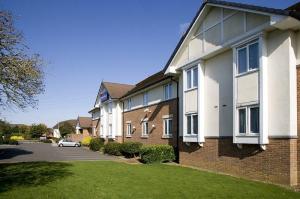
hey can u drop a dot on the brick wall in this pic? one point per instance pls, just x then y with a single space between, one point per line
154 117
220 154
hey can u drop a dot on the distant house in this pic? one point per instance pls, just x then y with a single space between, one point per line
56 132
84 125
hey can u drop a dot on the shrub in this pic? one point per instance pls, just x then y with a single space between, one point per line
112 148
131 149
13 142
96 144
47 141
16 137
86 141
157 153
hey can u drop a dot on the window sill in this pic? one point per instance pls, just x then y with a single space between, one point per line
128 136
145 136
167 136
190 89
247 73
248 135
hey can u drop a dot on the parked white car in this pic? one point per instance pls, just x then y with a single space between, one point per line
63 142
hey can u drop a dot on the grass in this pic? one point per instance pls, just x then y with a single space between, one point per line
103 179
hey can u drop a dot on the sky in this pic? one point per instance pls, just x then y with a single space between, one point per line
83 42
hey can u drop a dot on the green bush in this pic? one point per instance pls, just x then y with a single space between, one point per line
131 149
47 141
96 144
13 142
157 153
113 148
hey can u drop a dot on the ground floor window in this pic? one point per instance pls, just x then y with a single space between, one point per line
168 127
192 124
110 130
145 131
129 129
248 119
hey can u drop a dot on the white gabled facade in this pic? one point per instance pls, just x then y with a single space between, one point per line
237 74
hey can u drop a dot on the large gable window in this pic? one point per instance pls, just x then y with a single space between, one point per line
248 58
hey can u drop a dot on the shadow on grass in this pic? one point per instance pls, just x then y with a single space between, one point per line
31 174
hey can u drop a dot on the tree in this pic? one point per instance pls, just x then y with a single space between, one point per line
21 77
66 128
37 131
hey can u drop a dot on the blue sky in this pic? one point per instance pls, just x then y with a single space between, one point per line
86 41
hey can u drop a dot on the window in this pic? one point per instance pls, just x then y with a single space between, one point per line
248 57
168 127
192 124
254 120
248 120
242 120
192 78
145 129
145 99
129 104
110 130
129 129
168 91
101 130
110 107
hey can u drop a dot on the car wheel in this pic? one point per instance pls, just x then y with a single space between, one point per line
76 145
60 145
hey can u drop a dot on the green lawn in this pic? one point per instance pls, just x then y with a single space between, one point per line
103 179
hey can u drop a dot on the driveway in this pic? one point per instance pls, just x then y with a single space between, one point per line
35 151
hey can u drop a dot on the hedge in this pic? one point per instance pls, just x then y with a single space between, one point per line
157 153
113 148
96 144
131 149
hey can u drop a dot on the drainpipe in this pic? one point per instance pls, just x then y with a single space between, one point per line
177 119
123 138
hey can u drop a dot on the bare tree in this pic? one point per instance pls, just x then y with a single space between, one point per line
21 76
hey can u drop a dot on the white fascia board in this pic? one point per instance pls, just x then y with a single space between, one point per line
284 22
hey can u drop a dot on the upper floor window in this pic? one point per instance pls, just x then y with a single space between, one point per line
192 78
168 91
129 104
248 57
145 99
110 107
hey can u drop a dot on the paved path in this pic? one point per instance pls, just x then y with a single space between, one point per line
27 152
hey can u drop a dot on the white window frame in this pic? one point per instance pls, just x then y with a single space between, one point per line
248 70
192 124
167 132
192 70
145 99
145 131
129 104
168 91
129 129
110 105
248 120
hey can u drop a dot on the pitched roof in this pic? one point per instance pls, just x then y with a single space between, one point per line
149 81
292 11
84 122
72 122
117 90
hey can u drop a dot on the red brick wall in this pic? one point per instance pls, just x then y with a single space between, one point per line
220 154
155 117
